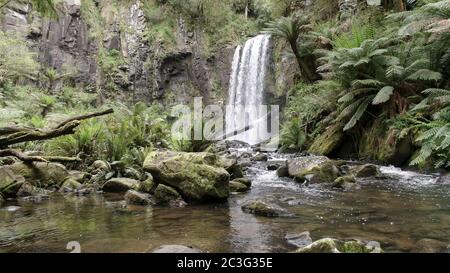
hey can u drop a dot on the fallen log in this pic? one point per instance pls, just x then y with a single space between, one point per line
15 134
28 159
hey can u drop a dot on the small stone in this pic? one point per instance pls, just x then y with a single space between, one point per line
342 181
101 165
165 194
70 185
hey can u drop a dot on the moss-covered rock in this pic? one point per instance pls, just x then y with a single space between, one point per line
366 170
196 176
262 208
9 182
298 165
165 194
328 141
148 185
238 187
100 165
230 164
247 182
120 185
326 172
41 174
329 245
380 143
27 189
344 182
137 198
70 185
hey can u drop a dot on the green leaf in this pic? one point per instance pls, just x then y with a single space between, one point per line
425 75
358 114
383 95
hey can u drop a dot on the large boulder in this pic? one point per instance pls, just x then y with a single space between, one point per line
329 245
298 165
262 208
366 170
326 172
196 176
41 174
120 185
9 182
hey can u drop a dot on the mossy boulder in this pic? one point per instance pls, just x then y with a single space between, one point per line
247 182
329 245
120 185
430 246
238 187
327 142
298 165
366 170
344 182
9 182
70 185
27 189
41 174
148 185
165 194
133 197
326 172
261 208
198 177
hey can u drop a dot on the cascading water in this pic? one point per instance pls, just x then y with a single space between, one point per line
246 93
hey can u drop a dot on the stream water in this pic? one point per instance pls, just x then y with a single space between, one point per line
397 211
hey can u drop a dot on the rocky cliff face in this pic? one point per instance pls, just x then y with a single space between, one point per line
147 70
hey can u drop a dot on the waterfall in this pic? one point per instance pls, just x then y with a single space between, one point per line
246 92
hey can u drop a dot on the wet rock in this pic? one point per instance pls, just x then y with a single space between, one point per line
2 201
366 170
148 185
273 167
326 172
175 249
238 187
329 245
230 164
344 182
41 174
247 182
79 176
9 182
133 197
261 208
27 190
260 157
196 176
101 165
298 165
430 246
283 171
120 185
299 239
165 195
70 185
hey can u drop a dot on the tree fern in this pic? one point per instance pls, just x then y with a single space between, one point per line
383 95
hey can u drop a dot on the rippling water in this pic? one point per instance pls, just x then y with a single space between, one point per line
397 211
